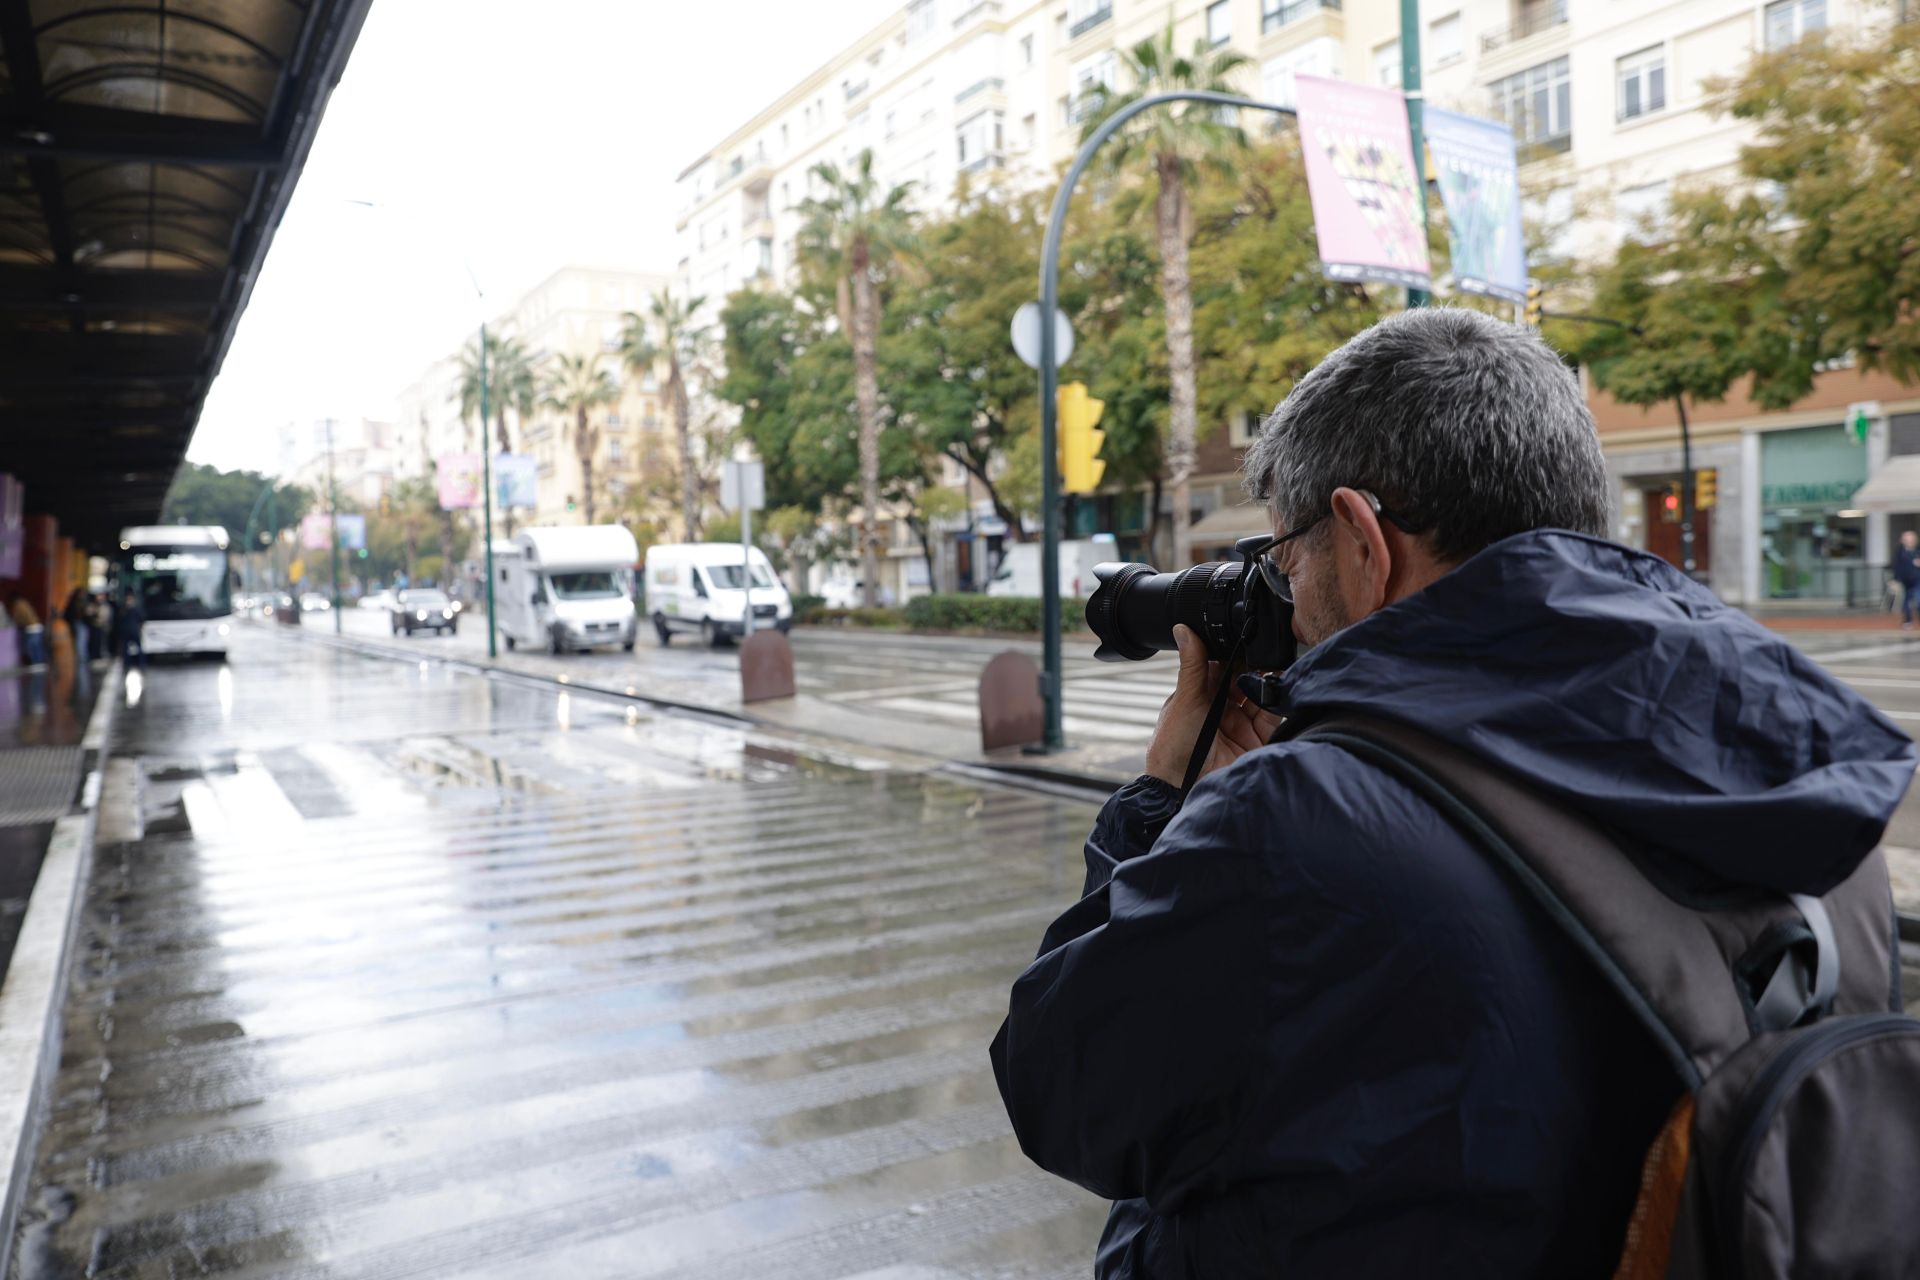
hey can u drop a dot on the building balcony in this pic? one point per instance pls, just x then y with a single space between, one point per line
991 160
1544 148
1533 19
1275 16
1103 14
977 11
993 84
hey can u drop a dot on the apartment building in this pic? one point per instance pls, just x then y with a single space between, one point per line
578 311
1608 102
359 456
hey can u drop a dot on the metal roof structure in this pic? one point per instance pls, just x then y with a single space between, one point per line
147 153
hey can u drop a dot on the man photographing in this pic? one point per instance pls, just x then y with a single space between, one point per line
1300 1024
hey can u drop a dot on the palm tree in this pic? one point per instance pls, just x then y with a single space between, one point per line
855 232
681 344
510 384
1170 142
577 386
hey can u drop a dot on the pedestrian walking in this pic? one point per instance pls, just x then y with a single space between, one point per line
100 625
33 637
1308 1020
1906 572
78 613
130 623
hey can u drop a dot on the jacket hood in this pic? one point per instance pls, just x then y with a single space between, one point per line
1613 683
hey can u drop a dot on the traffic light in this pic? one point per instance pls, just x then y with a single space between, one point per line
363 553
1670 504
1080 439
570 502
1534 310
1706 488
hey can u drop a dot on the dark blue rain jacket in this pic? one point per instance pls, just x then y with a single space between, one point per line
1301 1027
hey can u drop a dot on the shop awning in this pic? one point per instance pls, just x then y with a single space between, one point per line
1230 524
1894 485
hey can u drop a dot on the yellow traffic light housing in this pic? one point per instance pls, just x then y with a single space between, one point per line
1080 439
1706 488
1535 311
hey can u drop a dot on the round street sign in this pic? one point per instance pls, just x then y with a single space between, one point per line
1026 335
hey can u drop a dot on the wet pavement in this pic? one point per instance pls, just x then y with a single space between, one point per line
392 969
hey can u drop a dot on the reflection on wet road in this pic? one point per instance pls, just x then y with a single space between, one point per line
391 970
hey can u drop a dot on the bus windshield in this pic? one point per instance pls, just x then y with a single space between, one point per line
179 583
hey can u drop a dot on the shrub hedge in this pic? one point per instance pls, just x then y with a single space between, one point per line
971 612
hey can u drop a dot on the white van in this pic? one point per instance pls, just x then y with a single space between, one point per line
701 587
568 588
1019 571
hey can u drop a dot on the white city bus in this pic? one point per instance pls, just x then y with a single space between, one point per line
180 574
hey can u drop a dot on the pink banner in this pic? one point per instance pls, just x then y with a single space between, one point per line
459 475
1367 201
316 531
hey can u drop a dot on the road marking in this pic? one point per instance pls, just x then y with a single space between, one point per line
1866 651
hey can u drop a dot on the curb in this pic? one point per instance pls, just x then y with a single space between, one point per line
34 994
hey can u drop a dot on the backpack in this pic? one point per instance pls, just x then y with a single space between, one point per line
1795 1148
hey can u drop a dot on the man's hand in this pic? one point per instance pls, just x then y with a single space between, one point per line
1243 726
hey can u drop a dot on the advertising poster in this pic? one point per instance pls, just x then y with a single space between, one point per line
316 528
1367 197
1479 178
459 481
515 480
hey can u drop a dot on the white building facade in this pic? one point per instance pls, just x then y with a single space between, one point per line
1609 100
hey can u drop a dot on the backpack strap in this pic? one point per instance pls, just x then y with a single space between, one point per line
1781 959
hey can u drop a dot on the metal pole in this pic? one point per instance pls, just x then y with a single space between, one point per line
486 495
1410 88
1050 682
746 557
1687 561
333 521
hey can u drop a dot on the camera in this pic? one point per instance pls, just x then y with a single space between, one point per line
1243 602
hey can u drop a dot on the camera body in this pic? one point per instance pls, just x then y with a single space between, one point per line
1134 610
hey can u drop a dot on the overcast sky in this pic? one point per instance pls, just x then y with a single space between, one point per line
520 137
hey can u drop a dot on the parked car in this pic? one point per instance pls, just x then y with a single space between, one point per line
1018 573
567 589
314 602
422 610
280 607
705 587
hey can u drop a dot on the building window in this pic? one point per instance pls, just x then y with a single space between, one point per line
1641 81
920 19
1320 57
783 137
616 453
1788 20
1026 50
1538 103
1275 14
1443 40
1243 428
1386 64
766 256
1219 23
890 116
980 141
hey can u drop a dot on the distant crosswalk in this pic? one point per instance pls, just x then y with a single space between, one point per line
1113 703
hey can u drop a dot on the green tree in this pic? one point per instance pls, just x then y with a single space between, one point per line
853 234
509 385
576 387
202 494
1171 144
673 337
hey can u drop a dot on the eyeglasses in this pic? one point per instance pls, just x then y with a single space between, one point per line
1262 549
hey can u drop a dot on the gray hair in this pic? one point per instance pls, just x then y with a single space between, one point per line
1469 429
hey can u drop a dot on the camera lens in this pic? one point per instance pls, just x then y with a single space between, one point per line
1134 610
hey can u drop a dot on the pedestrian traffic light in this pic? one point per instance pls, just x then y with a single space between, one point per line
1670 504
363 553
1080 439
1706 488
1534 310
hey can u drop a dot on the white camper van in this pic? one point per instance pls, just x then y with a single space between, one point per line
1019 571
701 587
566 588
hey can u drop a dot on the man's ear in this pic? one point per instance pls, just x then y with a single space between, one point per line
1366 561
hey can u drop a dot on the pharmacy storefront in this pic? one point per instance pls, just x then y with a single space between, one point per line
1812 541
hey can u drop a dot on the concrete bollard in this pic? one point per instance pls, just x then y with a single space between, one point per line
766 667
1011 711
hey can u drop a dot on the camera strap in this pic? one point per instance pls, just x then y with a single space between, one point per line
1203 746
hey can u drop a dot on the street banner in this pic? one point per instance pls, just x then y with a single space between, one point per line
1367 199
459 476
515 480
316 531
1480 185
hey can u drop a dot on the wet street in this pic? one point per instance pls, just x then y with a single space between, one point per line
391 969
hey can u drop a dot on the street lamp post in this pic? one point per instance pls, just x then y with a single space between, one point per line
1416 101
1050 681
